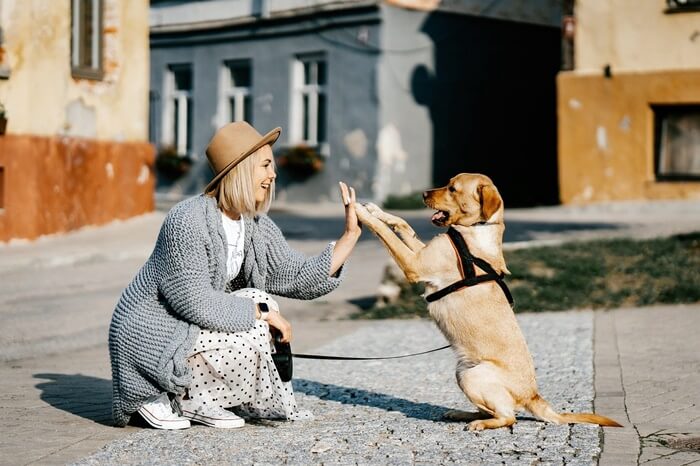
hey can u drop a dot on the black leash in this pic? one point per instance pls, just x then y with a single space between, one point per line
466 266
351 358
469 278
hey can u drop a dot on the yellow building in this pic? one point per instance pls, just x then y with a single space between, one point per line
629 112
74 85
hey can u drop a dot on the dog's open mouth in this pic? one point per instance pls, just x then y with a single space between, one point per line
440 217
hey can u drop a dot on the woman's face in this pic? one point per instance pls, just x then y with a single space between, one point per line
264 173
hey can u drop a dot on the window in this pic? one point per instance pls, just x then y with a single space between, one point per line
309 105
235 102
177 121
677 130
679 6
86 39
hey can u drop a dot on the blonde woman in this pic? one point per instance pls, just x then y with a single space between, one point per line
189 336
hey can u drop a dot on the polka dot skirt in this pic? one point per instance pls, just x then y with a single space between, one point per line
235 370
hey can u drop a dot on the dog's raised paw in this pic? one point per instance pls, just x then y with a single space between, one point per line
373 208
362 213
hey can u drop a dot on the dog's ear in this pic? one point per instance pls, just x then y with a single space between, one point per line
490 200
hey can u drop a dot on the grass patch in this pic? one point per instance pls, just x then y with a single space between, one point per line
580 275
405 201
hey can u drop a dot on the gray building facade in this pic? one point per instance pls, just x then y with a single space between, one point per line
395 100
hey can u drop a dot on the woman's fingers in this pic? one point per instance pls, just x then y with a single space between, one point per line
344 193
280 323
352 195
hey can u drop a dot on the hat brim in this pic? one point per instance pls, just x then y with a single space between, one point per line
270 138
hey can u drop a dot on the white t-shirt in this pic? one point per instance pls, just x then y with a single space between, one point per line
235 236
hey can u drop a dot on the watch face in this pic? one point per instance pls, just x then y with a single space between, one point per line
263 307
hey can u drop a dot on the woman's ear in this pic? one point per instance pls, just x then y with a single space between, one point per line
490 200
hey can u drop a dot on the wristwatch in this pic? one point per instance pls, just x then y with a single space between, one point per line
264 311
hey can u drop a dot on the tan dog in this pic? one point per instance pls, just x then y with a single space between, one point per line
494 366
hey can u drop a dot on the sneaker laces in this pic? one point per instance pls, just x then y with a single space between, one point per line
211 411
162 408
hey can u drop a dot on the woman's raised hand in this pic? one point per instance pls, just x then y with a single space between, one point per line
343 247
352 225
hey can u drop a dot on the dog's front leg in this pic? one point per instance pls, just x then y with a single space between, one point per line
405 258
399 226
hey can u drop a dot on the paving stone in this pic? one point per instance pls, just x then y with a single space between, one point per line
390 412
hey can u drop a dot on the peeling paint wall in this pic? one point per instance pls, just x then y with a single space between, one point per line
54 185
76 150
635 35
606 124
405 140
606 135
41 96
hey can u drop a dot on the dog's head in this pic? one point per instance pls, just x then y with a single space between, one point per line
467 199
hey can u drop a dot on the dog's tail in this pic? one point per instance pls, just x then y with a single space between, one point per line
542 410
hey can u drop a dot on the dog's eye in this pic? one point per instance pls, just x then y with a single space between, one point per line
451 189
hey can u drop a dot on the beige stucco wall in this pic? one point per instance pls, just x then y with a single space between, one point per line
42 98
606 135
635 35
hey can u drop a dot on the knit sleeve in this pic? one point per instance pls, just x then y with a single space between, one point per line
186 285
292 274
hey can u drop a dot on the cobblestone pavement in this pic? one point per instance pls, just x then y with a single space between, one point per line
389 412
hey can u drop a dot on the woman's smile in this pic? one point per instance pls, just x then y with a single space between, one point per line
264 174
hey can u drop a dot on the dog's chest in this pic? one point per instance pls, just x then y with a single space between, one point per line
484 239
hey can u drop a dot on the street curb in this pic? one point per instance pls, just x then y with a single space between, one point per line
618 445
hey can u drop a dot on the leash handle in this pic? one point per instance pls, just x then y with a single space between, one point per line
351 358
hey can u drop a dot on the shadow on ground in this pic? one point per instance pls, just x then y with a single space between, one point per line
83 395
358 396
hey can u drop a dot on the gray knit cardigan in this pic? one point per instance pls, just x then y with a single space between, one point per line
182 288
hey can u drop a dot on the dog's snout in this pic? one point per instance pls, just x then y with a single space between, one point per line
425 195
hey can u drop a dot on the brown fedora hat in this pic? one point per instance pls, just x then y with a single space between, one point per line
231 144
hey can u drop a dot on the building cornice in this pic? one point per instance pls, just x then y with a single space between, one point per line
223 23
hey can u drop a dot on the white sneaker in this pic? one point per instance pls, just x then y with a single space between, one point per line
158 412
212 416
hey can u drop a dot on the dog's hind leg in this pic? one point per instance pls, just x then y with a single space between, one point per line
484 388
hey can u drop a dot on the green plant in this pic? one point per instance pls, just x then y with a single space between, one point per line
582 275
170 164
405 201
301 161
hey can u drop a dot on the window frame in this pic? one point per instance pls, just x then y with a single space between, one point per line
313 90
227 92
180 139
673 6
660 111
78 35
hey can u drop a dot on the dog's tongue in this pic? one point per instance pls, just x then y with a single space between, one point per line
438 216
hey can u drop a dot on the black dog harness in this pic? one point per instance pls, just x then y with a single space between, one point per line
466 268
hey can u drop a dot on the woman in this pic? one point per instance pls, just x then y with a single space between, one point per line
186 341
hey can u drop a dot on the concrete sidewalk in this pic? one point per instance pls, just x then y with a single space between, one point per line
647 376
57 294
645 361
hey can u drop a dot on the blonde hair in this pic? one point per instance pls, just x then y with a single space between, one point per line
236 190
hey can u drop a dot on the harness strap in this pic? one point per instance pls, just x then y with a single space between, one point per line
464 257
469 275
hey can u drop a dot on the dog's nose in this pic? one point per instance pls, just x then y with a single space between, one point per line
425 195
